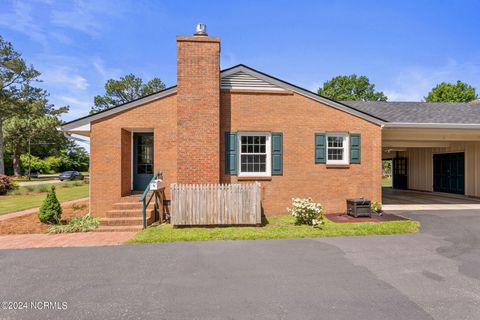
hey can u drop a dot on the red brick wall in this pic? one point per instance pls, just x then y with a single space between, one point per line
110 176
126 156
294 115
299 118
198 112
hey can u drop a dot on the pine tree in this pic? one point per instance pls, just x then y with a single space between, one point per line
50 211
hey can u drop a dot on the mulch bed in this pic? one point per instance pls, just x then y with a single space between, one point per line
345 218
30 223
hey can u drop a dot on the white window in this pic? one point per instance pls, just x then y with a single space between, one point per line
337 148
254 154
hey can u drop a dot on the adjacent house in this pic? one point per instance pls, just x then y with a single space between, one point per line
240 125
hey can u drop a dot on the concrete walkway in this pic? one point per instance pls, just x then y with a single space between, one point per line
37 182
426 201
82 239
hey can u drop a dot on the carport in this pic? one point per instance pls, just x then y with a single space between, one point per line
434 147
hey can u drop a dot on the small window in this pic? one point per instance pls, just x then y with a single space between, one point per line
337 148
254 158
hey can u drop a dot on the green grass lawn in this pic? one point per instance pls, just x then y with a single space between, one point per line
278 227
386 182
32 197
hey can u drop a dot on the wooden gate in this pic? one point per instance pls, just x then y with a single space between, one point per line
216 204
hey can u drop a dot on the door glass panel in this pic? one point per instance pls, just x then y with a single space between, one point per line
144 154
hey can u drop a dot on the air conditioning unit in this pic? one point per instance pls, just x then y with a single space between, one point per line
359 207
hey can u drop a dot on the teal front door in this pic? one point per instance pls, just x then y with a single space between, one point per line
142 160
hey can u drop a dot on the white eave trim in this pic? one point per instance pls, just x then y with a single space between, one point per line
71 126
432 125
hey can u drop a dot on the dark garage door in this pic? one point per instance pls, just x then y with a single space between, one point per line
449 172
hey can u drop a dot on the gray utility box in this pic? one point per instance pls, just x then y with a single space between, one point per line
359 207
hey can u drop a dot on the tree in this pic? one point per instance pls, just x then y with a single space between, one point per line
74 157
14 73
126 89
450 92
51 210
351 88
34 123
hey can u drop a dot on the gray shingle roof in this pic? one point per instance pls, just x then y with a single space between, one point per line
420 112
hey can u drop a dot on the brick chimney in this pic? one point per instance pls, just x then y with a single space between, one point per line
198 108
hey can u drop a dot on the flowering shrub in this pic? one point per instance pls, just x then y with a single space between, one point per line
306 211
6 184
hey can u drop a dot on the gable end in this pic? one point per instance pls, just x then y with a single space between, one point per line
243 80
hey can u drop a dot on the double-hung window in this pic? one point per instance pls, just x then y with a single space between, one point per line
254 154
337 148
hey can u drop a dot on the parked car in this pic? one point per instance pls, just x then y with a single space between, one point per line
71 175
32 174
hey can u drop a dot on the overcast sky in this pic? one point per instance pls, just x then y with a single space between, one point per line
404 47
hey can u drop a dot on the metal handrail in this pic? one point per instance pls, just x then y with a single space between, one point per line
146 203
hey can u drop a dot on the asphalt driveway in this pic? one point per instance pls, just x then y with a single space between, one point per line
431 275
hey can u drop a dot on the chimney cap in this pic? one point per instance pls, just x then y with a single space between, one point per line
201 29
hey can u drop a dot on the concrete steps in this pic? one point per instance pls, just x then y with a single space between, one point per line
125 221
126 215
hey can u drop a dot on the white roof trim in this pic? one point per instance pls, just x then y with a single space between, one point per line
432 125
71 126
85 127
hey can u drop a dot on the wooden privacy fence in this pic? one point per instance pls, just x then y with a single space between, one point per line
216 204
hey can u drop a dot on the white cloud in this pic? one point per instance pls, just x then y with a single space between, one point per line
79 105
20 19
103 71
65 77
414 83
315 86
86 16
72 101
45 20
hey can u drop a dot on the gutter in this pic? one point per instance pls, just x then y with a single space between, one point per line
432 125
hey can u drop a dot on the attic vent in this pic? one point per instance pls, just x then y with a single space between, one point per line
242 80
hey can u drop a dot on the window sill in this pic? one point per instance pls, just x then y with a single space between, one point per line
338 166
254 178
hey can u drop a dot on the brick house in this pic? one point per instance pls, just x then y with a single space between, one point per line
239 125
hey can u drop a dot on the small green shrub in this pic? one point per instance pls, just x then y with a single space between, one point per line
376 206
78 224
30 188
51 210
77 183
305 211
6 184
